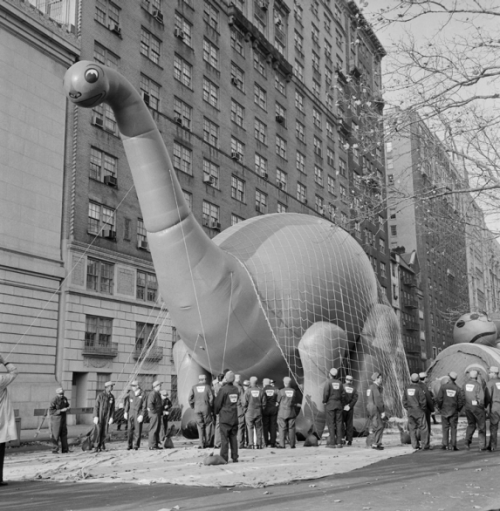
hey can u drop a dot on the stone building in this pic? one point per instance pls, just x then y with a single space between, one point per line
264 106
36 51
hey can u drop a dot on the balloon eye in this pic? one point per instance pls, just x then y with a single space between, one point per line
460 324
91 75
474 316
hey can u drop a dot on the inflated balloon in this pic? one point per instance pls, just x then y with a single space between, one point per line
276 295
476 328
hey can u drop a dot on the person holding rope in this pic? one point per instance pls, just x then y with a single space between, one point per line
104 410
58 425
8 430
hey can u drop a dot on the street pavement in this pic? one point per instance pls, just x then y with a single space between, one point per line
429 480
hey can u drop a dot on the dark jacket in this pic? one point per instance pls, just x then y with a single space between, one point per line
104 407
351 395
226 404
271 393
135 405
155 406
414 400
166 404
57 404
254 401
374 400
492 395
333 394
450 399
474 395
288 401
201 398
428 397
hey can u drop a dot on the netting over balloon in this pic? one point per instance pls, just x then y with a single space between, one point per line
323 302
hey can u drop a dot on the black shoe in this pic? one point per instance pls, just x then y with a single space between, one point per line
235 461
136 448
129 448
292 447
3 483
377 447
55 451
444 448
484 449
454 448
67 452
349 443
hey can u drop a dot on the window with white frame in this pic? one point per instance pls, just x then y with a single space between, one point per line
300 131
183 113
260 165
318 146
298 71
146 286
260 201
210 53
343 192
342 167
211 15
100 276
183 158
237 77
318 175
316 88
280 83
315 61
260 131
317 121
98 333
237 147
330 157
235 219
329 130
279 46
299 42
281 179
102 164
260 96
105 56
145 337
280 112
260 17
210 213
237 189
237 40
184 29
259 63
299 101
383 270
237 113
300 162
298 11
315 34
107 13
318 204
301 193
104 118
330 181
281 147
210 133
101 219
183 71
210 92
281 208
211 172
150 46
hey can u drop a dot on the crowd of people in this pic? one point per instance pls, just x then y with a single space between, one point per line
232 414
477 398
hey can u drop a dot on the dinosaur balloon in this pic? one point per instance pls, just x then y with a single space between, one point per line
272 296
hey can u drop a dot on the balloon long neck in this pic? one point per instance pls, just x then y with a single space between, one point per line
160 195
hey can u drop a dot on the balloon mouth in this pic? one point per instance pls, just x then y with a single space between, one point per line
94 100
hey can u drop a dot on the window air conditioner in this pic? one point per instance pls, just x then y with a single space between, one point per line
209 180
114 27
282 185
265 175
143 244
110 180
179 33
235 155
98 121
178 120
109 234
158 15
280 119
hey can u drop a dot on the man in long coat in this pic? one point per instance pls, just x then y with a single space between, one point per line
155 410
8 430
104 411
135 409
226 406
201 400
376 410
58 426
